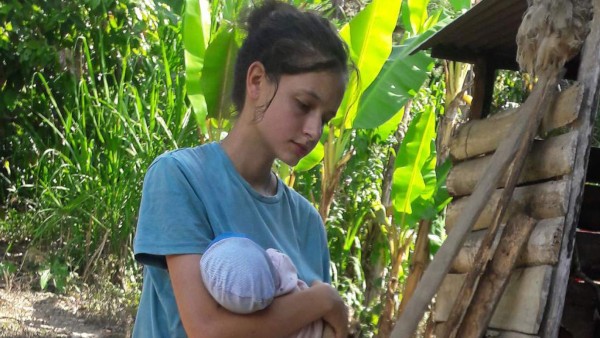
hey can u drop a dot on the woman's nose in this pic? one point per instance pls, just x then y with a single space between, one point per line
313 127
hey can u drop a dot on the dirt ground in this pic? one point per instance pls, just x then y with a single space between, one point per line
28 312
44 314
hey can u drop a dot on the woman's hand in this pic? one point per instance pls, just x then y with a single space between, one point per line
337 315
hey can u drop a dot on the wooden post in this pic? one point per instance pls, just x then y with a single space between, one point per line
483 89
589 75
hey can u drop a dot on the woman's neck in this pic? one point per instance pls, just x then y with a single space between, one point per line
251 161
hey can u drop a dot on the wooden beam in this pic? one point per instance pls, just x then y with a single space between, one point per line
548 158
520 309
589 76
479 137
545 200
541 249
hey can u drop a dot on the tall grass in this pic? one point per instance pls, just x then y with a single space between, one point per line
88 176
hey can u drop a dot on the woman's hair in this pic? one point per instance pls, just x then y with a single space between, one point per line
287 41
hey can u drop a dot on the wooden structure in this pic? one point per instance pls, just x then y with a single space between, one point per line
553 289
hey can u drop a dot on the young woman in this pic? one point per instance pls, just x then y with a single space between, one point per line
290 77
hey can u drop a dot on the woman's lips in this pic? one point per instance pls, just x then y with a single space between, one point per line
301 150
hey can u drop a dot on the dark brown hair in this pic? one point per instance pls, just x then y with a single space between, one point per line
287 41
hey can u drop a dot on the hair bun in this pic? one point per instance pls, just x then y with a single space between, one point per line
263 12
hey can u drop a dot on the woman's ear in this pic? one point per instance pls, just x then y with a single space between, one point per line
255 79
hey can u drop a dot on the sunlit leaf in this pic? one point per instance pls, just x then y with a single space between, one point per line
196 34
369 37
217 76
414 162
45 276
417 13
399 80
458 5
386 129
312 159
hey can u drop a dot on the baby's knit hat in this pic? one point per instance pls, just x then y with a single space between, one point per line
238 274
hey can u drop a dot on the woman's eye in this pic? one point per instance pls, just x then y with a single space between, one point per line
303 106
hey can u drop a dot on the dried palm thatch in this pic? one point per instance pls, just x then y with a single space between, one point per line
551 33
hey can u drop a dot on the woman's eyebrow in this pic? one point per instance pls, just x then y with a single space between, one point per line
312 93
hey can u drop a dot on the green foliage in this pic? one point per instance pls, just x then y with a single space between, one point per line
459 5
369 38
217 74
414 173
196 34
7 272
83 132
41 37
211 36
56 274
94 145
510 90
418 190
353 231
399 80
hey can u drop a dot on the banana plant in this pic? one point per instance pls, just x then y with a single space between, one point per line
416 186
429 205
211 38
369 38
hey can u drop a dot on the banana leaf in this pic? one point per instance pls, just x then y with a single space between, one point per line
414 174
196 34
217 75
369 37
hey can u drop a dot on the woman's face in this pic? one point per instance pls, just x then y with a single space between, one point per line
293 123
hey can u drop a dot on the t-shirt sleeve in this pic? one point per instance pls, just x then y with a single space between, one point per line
172 218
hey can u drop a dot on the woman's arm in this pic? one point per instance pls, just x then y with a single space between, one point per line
203 317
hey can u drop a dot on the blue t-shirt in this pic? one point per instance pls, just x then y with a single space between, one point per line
192 195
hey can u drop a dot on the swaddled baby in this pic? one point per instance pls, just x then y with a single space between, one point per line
243 278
